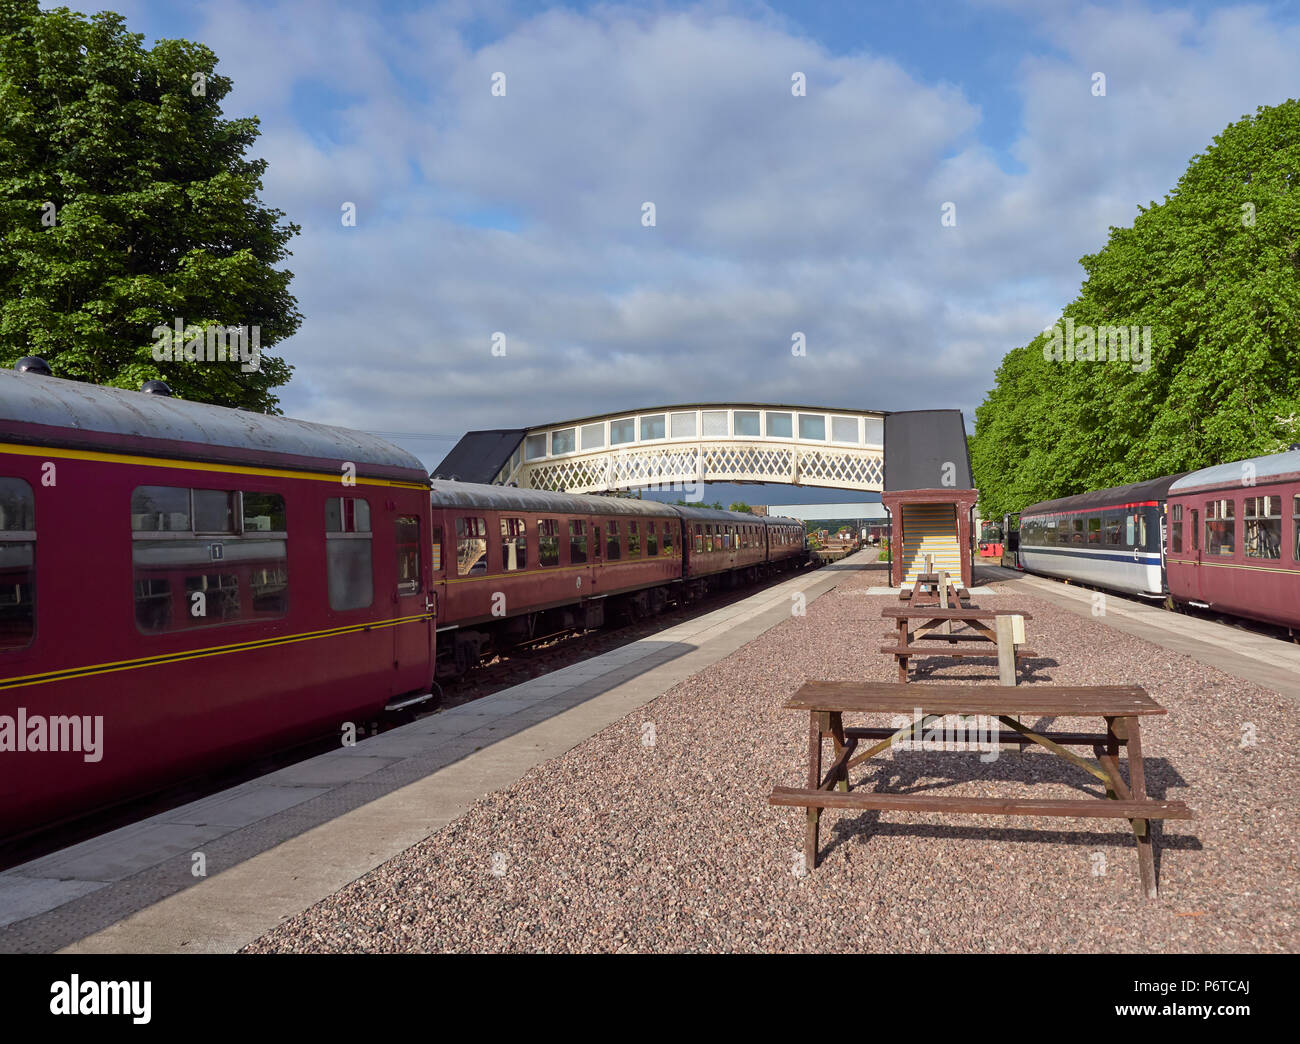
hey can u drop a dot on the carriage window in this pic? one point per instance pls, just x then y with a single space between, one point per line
471 546
651 540
670 527
1263 518
406 540
347 515
263 513
212 597
1176 529
268 585
611 543
1295 519
195 552
699 538
349 565
577 541
1137 526
548 542
514 544
214 511
437 549
17 564
708 537
633 540
1077 536
1094 530
1220 529
158 509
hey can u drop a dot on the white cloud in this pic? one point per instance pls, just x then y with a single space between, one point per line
775 213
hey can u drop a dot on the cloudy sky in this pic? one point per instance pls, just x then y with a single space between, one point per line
774 213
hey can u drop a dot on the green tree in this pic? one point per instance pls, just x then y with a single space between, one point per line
740 505
126 203
1214 272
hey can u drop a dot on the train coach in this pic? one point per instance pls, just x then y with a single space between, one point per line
1110 538
183 586
1234 539
513 565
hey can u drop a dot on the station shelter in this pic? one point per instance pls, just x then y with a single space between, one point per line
929 494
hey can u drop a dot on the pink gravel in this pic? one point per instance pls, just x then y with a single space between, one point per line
619 846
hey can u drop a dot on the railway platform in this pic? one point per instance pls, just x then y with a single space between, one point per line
271 847
1236 650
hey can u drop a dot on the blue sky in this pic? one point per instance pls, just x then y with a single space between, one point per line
775 214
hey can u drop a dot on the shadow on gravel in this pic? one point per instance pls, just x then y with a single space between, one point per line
920 773
1027 670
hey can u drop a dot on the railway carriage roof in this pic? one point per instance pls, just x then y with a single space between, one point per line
470 495
90 409
1274 466
1134 493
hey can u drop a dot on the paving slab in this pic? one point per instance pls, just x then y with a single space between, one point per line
1245 654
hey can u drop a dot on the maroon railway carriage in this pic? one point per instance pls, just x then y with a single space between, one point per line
201 581
786 538
514 564
722 542
1233 538
511 565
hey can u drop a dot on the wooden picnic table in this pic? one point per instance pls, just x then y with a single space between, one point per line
935 620
1121 706
935 589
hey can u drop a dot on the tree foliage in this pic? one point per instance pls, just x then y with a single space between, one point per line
154 212
1214 271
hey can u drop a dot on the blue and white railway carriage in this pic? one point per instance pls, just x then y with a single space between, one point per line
1110 538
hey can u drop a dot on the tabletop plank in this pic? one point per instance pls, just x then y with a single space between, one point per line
898 698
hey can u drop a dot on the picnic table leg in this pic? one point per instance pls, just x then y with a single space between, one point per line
814 781
837 731
1141 827
1111 761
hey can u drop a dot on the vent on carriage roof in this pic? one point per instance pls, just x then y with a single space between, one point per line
479 456
926 449
33 364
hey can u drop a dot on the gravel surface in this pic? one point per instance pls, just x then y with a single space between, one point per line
624 846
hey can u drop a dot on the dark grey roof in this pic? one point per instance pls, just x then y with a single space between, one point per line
714 515
1274 466
511 498
91 408
919 444
479 456
1134 493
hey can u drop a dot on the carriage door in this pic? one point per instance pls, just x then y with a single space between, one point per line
413 629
